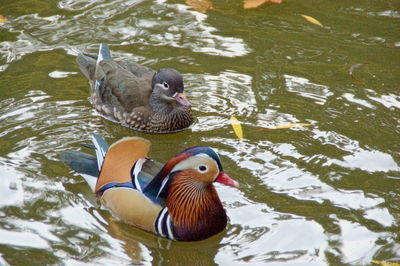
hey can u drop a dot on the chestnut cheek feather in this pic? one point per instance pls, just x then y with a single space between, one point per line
225 179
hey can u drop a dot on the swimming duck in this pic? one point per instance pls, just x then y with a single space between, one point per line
176 200
134 95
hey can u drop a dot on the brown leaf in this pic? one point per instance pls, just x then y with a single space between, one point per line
201 6
256 3
352 68
3 19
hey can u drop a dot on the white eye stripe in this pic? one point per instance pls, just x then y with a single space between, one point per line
191 162
165 85
194 162
161 86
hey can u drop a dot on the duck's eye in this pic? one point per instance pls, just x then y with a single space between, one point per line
202 168
166 86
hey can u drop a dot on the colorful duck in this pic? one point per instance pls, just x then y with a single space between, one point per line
177 200
134 95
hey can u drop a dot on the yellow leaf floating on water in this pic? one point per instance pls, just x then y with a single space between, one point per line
385 263
312 20
293 125
287 126
3 19
237 128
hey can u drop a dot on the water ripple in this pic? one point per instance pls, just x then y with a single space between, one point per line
321 194
169 20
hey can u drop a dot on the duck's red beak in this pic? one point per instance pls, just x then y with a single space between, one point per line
181 98
225 179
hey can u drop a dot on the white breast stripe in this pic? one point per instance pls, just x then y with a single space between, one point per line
162 185
169 225
159 224
136 171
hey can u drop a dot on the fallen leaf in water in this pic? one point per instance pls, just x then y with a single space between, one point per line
352 68
237 128
286 126
312 20
3 19
201 6
256 3
385 263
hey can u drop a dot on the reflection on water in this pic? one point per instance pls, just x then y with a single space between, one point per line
323 194
303 87
163 24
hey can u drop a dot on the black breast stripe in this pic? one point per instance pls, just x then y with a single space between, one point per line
163 225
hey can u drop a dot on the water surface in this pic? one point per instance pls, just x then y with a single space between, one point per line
327 193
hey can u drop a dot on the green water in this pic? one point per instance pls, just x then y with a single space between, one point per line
327 193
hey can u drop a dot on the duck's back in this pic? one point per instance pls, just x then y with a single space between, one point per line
125 85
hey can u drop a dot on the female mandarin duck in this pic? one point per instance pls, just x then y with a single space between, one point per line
136 96
177 200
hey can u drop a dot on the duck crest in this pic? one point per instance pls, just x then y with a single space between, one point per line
158 182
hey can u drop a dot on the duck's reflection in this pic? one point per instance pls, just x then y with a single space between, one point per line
142 247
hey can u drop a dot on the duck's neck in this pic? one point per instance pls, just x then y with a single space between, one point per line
195 209
160 106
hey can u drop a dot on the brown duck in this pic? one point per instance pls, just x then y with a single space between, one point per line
134 95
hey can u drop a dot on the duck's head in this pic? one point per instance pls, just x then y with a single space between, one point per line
167 85
197 167
193 203
203 165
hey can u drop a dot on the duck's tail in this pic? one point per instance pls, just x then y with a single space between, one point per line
88 166
104 55
91 68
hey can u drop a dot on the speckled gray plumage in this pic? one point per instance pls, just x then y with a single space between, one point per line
126 95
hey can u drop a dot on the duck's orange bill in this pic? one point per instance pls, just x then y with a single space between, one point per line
225 179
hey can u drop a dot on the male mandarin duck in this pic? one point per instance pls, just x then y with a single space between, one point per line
134 95
177 200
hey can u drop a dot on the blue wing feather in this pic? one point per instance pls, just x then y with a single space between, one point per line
158 188
145 178
80 162
87 165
